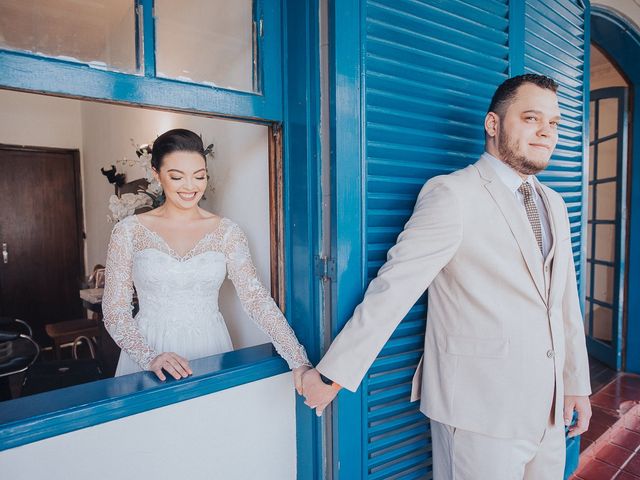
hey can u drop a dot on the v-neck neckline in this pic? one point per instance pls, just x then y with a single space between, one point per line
173 253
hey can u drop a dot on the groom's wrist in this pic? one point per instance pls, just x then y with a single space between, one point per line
330 382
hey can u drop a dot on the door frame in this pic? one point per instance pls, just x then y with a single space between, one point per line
612 354
620 39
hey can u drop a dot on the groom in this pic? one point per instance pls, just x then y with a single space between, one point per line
505 363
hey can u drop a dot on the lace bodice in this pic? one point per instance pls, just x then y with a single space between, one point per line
180 291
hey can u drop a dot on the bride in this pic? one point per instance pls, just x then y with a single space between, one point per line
177 256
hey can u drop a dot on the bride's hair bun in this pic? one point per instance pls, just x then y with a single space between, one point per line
176 140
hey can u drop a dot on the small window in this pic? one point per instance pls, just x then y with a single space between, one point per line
207 41
101 33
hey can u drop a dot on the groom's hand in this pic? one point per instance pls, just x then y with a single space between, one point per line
317 394
583 407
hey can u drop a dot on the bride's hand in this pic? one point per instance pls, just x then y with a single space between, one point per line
297 377
172 363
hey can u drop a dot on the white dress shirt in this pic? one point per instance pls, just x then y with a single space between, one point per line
512 180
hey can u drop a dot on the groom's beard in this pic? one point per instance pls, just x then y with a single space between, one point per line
520 163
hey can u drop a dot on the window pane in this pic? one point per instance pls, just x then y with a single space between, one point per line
592 159
206 41
608 117
603 283
605 242
100 32
602 323
606 201
608 158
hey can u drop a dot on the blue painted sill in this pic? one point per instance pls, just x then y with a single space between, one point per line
36 417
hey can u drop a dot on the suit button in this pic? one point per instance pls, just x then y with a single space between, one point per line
550 353
546 268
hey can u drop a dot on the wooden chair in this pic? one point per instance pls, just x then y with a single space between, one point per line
68 330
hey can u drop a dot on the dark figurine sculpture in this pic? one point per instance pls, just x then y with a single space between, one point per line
114 177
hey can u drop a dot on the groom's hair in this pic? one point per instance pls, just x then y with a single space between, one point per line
507 90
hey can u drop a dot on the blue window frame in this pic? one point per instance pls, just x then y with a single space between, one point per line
288 101
26 71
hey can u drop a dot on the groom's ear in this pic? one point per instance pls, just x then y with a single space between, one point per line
491 124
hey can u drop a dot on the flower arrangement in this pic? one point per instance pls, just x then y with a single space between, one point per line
149 194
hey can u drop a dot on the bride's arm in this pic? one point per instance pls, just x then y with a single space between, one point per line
257 301
118 293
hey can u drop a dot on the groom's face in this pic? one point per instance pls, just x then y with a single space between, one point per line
528 130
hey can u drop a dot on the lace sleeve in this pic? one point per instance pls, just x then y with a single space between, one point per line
257 301
116 301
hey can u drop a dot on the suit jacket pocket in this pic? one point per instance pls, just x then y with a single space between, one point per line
478 347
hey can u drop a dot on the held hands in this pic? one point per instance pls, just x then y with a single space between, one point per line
297 377
317 393
583 407
173 364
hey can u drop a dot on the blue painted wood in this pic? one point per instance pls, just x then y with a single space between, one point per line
35 73
516 37
427 73
29 73
301 177
148 37
585 144
347 228
45 415
621 41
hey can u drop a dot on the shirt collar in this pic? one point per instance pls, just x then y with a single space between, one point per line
508 175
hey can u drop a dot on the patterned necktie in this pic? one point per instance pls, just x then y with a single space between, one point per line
532 211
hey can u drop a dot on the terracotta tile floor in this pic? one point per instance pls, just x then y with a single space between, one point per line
611 447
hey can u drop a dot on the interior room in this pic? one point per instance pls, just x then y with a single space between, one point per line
55 292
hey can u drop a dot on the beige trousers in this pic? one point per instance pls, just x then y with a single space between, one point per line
462 455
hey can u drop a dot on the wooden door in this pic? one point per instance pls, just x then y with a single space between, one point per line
41 232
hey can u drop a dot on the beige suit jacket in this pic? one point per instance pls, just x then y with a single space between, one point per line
504 337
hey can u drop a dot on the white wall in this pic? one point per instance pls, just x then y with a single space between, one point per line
39 120
628 8
232 434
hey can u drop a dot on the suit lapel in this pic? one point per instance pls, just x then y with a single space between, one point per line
518 223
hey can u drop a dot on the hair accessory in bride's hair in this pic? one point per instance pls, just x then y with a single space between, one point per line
208 151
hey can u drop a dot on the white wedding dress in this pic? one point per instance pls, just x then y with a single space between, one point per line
178 296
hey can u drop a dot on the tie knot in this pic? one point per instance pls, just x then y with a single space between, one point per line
525 189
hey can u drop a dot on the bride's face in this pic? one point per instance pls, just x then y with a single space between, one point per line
183 176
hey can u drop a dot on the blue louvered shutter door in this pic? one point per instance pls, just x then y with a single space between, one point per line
430 68
554 45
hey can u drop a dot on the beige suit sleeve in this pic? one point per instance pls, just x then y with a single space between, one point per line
576 364
428 242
